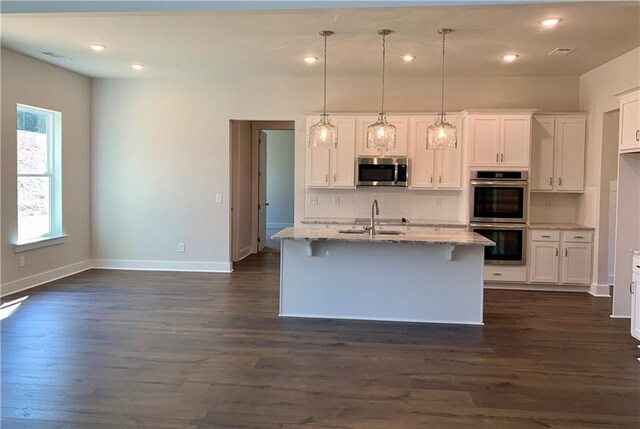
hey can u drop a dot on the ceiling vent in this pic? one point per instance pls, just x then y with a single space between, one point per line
561 51
55 56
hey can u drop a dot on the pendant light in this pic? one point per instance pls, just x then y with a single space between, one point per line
324 133
442 135
382 134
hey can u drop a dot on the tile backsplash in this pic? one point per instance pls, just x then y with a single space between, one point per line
394 203
546 207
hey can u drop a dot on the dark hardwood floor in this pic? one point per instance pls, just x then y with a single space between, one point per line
116 349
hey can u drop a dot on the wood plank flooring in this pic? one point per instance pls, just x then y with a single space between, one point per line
116 349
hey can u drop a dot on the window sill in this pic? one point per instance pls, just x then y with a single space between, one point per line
23 246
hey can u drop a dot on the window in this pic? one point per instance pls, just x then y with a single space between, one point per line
39 174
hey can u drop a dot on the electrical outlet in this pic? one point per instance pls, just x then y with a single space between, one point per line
218 198
336 201
180 247
438 202
548 204
21 262
313 200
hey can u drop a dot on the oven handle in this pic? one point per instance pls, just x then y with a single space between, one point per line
497 226
521 183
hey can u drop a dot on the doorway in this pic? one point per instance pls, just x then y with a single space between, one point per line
262 184
608 195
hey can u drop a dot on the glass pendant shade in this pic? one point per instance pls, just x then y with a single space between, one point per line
323 133
382 134
442 135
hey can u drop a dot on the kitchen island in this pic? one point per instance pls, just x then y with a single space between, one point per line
431 277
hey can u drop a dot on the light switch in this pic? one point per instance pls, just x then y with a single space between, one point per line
218 198
313 200
336 201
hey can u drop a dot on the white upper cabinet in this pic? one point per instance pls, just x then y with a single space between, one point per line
433 169
542 153
402 136
570 147
499 140
558 153
333 167
630 121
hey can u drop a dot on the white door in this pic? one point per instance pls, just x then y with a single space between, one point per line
343 157
484 140
421 166
630 122
262 191
544 262
402 136
317 161
570 147
515 140
576 263
542 153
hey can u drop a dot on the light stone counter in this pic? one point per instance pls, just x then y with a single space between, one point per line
562 226
382 222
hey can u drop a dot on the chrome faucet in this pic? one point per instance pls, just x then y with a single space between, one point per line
375 210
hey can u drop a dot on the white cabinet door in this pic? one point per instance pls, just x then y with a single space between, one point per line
449 168
576 263
630 123
484 140
317 161
343 157
542 151
570 136
515 140
544 262
421 164
402 136
635 298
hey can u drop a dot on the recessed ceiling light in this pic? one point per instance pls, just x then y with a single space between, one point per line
137 67
98 47
408 58
551 22
310 60
509 58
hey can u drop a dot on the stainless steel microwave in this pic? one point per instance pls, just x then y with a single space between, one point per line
388 171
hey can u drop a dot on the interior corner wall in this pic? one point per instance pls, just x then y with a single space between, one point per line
33 82
597 89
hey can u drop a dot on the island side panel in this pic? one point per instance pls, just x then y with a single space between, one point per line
382 281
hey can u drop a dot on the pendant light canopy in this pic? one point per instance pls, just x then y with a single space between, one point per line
442 135
324 133
382 134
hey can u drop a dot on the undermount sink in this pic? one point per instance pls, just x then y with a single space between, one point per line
362 231
390 232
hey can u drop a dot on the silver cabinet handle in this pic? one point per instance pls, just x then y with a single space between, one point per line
497 157
638 135
566 253
496 274
440 179
631 287
326 178
545 236
578 236
556 251
502 157
335 177
431 179
550 181
560 181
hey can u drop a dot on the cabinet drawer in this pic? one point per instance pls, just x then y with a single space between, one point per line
577 236
497 273
545 235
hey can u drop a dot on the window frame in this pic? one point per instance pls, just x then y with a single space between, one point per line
53 172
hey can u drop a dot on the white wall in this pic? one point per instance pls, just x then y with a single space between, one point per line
36 83
597 89
280 177
161 148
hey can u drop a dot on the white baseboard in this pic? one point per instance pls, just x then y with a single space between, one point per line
275 225
536 287
46 277
599 290
125 264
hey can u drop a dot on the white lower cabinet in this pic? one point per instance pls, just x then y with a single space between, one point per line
635 298
560 257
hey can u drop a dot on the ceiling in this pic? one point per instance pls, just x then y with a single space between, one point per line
273 42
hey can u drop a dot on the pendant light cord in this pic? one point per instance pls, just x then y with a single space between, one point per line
384 55
324 108
442 99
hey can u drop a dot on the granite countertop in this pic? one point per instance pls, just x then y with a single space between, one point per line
451 238
381 221
565 226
